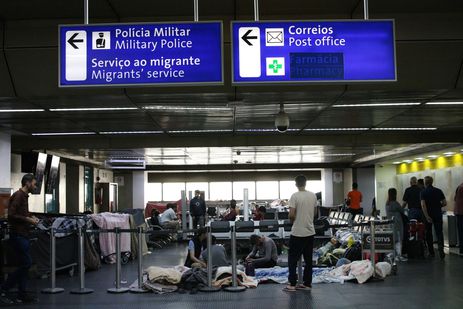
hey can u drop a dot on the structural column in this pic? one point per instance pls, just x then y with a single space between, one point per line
5 158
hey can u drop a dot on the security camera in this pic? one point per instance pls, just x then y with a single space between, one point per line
282 120
238 152
235 161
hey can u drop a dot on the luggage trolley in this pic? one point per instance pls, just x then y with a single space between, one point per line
380 239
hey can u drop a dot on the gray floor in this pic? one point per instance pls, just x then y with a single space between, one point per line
419 284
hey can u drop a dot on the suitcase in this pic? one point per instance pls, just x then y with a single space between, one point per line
416 230
415 249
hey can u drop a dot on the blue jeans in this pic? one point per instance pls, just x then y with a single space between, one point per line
20 246
415 214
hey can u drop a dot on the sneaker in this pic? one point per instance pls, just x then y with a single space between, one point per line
403 259
26 299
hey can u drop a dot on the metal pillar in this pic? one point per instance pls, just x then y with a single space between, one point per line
365 10
86 12
209 287
256 10
118 289
82 289
246 204
184 217
140 288
196 9
372 243
53 289
235 287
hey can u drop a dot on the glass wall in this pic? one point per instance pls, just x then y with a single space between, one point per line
225 191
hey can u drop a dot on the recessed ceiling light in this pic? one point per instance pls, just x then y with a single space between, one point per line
407 161
130 132
338 154
82 109
405 129
449 153
21 110
433 156
187 108
376 104
419 159
396 162
444 103
62 133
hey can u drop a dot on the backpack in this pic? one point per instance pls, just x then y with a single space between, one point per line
354 253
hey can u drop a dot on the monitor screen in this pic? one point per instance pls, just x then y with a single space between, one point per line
40 171
52 175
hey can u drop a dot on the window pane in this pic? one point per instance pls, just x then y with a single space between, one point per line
172 191
201 186
314 186
238 190
153 192
267 190
287 188
220 191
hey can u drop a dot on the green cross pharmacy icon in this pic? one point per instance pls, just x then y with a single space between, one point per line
275 66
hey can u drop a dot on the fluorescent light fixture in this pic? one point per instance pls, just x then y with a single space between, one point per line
444 103
130 132
338 154
376 104
433 157
336 129
21 110
407 161
449 153
419 159
199 131
90 109
63 133
186 108
404 129
396 162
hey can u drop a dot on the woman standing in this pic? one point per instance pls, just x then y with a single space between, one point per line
395 211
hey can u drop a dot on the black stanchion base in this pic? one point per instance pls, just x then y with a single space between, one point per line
235 289
209 289
138 290
82 291
118 290
52 290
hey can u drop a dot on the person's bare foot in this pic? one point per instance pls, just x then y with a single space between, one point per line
303 287
289 288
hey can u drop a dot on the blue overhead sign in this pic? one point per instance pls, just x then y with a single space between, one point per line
313 51
140 54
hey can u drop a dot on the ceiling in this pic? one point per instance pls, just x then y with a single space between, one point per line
429 42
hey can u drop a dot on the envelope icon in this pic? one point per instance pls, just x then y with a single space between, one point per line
274 37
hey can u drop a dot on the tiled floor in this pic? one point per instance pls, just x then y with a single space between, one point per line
419 284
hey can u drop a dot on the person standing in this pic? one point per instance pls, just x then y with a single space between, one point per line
412 199
432 201
395 211
302 206
198 210
20 221
458 211
355 199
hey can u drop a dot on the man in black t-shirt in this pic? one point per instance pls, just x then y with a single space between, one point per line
432 201
412 199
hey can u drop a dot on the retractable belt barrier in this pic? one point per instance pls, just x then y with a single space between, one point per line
140 231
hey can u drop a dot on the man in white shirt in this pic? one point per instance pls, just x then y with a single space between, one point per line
168 218
301 213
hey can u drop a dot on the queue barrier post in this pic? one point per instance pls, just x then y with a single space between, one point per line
372 244
235 287
82 289
139 288
209 287
53 289
118 289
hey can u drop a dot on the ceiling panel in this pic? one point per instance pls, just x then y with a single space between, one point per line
37 125
428 117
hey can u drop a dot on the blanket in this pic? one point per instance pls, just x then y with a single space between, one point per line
223 277
163 275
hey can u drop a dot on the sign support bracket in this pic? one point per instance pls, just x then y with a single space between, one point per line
86 12
365 10
196 10
256 10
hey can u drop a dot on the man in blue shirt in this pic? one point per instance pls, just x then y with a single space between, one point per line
432 201
198 210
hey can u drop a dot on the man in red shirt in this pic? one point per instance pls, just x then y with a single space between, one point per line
354 198
458 210
20 222
231 216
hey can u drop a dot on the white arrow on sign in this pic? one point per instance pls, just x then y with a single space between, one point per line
249 51
76 55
